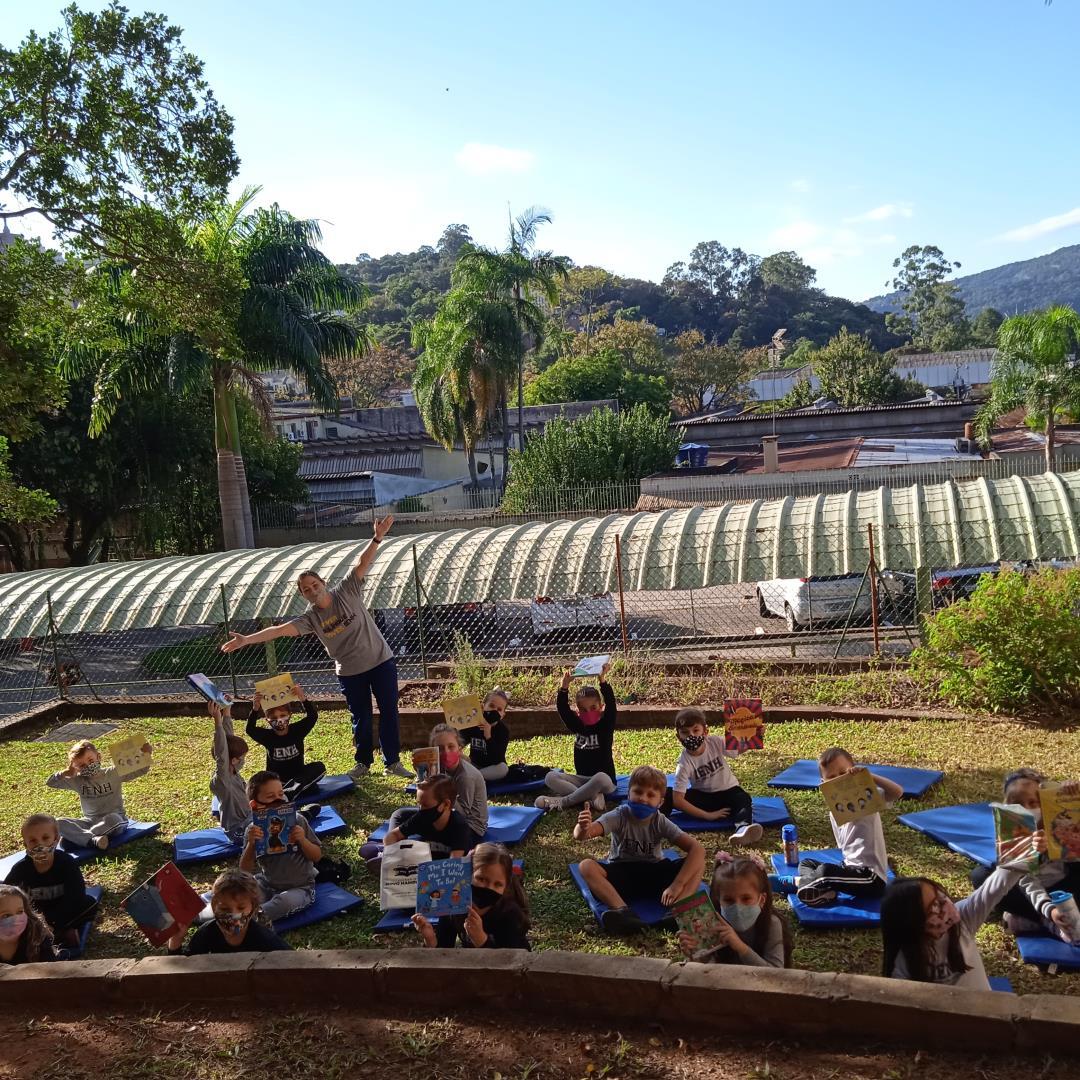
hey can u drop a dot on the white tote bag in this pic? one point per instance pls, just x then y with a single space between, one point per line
400 862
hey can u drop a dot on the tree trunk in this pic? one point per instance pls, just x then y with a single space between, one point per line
470 457
1050 439
232 515
241 473
521 382
505 443
10 537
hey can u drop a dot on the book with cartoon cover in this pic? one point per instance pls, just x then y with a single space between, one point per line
852 796
697 917
591 665
444 887
744 725
1061 822
163 904
275 691
1014 827
208 689
463 712
425 762
276 823
130 756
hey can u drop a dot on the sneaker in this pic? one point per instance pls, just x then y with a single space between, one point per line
619 922
783 884
101 842
548 802
311 811
359 771
748 834
397 769
815 895
598 802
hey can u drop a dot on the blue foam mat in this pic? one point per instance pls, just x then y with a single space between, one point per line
135 830
211 845
967 829
1044 950
846 911
506 824
622 786
768 810
805 776
329 787
1000 984
650 911
330 900
84 932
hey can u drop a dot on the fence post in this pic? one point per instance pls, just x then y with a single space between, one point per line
872 571
55 650
419 611
228 632
622 602
315 516
924 599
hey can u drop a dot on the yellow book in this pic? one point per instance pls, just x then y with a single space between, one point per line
1061 822
852 796
463 712
128 756
276 691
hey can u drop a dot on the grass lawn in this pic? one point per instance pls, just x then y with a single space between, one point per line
973 754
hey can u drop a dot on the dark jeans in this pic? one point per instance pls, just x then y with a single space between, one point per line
306 779
734 799
358 689
1015 901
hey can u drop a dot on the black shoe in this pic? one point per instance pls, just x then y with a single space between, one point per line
311 811
816 895
620 922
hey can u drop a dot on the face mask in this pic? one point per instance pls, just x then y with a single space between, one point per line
232 922
589 716
642 811
41 852
238 763
483 897
279 726
491 716
450 758
12 926
425 819
941 917
91 770
740 916
692 742
256 805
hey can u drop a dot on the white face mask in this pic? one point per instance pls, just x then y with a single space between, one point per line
238 763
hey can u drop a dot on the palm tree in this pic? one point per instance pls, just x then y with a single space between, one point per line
273 301
1038 367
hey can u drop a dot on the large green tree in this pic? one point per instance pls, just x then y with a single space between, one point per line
852 372
934 317
710 375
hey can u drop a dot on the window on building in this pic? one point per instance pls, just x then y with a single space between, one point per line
331 432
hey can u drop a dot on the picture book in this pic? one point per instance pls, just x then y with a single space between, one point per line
128 757
852 796
744 725
276 823
207 688
1013 830
425 762
163 904
697 917
276 691
463 712
444 887
591 665
1061 821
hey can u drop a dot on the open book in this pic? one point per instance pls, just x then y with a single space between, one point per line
1014 828
1061 820
163 904
128 756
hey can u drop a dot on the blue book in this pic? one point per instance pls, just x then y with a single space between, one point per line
444 887
208 689
276 823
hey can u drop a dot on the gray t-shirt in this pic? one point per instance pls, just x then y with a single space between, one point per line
633 840
100 794
347 630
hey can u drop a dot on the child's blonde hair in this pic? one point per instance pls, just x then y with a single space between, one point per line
439 729
827 757
40 819
237 883
647 777
80 748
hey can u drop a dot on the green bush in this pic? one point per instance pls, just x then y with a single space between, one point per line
204 654
1014 645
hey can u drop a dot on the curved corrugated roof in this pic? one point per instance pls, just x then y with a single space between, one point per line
936 525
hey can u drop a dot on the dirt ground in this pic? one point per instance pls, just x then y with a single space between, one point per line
344 1042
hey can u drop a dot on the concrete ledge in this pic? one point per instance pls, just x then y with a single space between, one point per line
755 1002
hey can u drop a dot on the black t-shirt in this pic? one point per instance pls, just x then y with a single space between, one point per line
484 752
58 893
209 939
284 753
457 836
504 925
592 745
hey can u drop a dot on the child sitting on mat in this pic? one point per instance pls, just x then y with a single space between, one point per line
489 739
864 869
752 932
499 915
1026 908
705 787
234 900
229 751
53 881
435 821
24 934
101 797
636 868
284 743
593 727
929 938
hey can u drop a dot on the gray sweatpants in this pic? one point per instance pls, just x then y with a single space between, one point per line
85 831
495 772
274 905
577 790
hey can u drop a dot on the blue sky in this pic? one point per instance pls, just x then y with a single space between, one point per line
842 129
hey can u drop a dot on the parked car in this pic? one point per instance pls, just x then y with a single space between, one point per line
947 585
476 621
550 614
802 602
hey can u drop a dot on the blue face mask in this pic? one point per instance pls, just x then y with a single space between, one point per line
641 810
740 916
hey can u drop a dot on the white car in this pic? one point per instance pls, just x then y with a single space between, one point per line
550 614
803 601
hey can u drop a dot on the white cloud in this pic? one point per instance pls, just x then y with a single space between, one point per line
1041 228
801 184
883 213
482 159
795 234
820 245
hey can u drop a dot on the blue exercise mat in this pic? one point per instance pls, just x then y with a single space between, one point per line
1000 984
330 900
1044 951
805 776
622 787
506 824
967 829
212 845
84 931
768 810
329 787
845 911
649 911
135 830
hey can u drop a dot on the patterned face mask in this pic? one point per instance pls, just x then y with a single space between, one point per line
941 916
232 922
90 769
692 742
41 852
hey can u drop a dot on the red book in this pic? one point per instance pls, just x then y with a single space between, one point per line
744 725
163 904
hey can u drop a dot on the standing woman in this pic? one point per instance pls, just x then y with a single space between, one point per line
364 662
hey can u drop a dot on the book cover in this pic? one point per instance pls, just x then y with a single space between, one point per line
1061 822
697 917
276 691
208 689
444 887
425 762
463 712
591 665
163 904
1013 830
744 724
852 796
276 823
128 755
